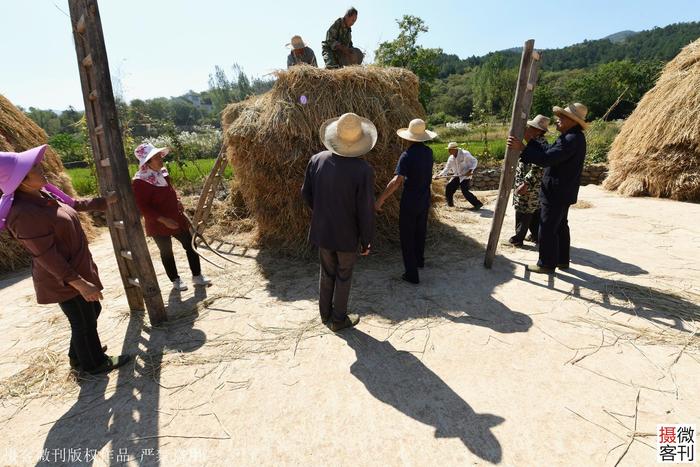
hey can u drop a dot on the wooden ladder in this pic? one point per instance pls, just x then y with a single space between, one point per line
527 79
206 199
128 240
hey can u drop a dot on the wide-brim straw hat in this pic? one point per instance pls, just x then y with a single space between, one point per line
576 112
416 131
145 152
296 43
14 166
348 135
452 145
540 122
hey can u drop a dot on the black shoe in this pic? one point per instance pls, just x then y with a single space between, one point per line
75 364
477 207
111 363
412 281
563 265
515 242
539 269
421 264
350 320
530 238
326 318
451 205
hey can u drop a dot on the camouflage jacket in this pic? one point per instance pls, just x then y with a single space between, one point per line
337 34
532 175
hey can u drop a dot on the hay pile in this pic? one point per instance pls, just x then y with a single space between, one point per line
657 152
270 139
19 133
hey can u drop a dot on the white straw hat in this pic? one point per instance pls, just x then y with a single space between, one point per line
540 122
348 135
296 43
416 131
576 112
453 145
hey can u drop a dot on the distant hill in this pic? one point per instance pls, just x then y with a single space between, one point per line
621 36
660 44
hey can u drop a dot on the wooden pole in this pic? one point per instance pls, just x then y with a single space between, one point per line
128 240
521 107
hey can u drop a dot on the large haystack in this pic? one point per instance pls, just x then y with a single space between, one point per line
19 133
270 139
657 152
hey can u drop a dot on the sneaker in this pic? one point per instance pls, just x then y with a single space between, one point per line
200 280
539 269
179 285
350 321
111 363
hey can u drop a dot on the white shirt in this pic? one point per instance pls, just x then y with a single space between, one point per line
460 165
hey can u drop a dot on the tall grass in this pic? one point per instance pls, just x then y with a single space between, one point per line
188 177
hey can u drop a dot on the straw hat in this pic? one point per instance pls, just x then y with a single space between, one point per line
576 112
14 166
348 135
416 131
452 145
145 152
296 43
540 122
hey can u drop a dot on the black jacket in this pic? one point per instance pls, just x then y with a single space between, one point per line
340 192
563 162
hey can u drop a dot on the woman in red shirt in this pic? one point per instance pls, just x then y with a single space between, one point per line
162 213
44 220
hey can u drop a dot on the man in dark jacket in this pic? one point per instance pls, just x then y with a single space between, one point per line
563 162
339 189
415 172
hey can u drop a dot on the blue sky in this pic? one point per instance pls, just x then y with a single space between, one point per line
164 48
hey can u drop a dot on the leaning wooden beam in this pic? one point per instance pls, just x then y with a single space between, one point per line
521 107
128 240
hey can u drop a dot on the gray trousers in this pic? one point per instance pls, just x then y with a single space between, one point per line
334 283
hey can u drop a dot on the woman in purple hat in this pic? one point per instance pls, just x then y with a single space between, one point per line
44 220
162 214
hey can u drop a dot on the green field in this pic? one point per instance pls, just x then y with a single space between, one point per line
188 178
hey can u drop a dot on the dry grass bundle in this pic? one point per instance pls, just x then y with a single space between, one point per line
19 133
657 152
270 139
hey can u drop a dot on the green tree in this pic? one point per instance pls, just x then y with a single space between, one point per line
403 52
494 86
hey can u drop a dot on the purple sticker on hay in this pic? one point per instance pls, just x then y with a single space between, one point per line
303 100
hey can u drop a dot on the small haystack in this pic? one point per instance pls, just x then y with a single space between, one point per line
270 139
19 133
657 152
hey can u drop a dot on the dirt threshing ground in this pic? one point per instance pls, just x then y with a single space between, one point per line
473 366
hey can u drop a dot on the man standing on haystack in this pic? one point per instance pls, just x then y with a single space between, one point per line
415 172
300 54
528 179
338 50
339 189
563 163
462 165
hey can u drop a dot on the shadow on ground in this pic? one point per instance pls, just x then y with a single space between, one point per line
127 419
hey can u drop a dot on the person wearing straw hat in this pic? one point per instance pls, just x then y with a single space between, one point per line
563 163
461 164
528 179
339 189
415 172
337 49
44 220
300 54
163 214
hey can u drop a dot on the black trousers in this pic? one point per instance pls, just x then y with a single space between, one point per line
165 246
335 280
465 184
85 345
554 235
413 226
525 221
